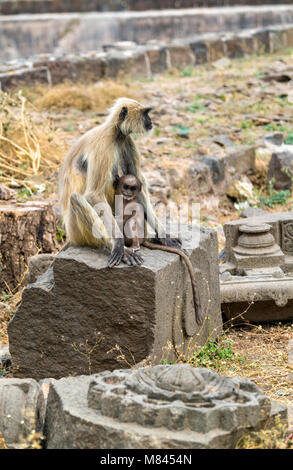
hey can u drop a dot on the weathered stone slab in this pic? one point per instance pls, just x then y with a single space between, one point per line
73 316
280 170
21 410
161 407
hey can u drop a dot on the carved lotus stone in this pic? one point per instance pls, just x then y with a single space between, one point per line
173 406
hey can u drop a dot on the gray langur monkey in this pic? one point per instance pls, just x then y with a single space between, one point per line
131 214
86 179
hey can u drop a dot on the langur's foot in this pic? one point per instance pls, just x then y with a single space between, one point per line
117 253
132 258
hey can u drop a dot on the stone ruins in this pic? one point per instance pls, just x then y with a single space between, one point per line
147 312
258 268
87 344
160 407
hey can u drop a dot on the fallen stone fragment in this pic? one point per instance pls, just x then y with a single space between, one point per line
280 170
21 410
160 407
223 141
275 138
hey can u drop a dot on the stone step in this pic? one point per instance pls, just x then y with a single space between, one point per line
142 61
26 35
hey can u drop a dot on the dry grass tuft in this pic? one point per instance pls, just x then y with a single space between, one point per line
27 148
96 97
271 437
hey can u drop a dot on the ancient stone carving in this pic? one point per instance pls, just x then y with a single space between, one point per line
258 268
21 410
287 236
174 406
256 247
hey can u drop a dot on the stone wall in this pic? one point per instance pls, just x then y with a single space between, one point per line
143 60
10 7
27 35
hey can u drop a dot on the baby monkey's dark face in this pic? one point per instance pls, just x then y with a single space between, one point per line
127 186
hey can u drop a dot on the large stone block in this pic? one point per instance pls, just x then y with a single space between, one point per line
161 407
22 410
81 317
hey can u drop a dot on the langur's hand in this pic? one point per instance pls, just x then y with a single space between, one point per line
132 258
117 253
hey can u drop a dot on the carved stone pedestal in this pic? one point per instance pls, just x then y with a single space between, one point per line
161 407
257 279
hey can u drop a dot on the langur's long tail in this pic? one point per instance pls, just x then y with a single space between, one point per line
197 307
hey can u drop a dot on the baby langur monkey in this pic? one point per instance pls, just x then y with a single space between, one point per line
131 216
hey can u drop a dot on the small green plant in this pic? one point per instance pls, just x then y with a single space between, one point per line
182 130
187 72
289 138
60 235
276 197
195 106
214 353
4 297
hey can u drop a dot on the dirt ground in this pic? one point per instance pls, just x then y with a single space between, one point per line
237 98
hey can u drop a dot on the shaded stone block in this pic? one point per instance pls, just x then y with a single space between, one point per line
197 178
22 410
262 41
216 166
200 51
158 60
161 407
82 317
241 157
280 170
181 56
59 69
278 40
216 49
25 77
129 63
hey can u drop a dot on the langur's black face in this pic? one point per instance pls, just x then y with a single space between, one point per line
128 186
146 119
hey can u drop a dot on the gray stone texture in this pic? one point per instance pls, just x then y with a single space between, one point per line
37 265
79 310
5 357
280 171
22 410
161 407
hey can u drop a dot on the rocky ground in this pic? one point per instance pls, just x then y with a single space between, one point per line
196 112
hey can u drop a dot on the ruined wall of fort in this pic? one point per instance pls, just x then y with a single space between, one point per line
10 7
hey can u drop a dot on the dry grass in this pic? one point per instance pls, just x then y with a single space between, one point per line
27 149
264 349
96 97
